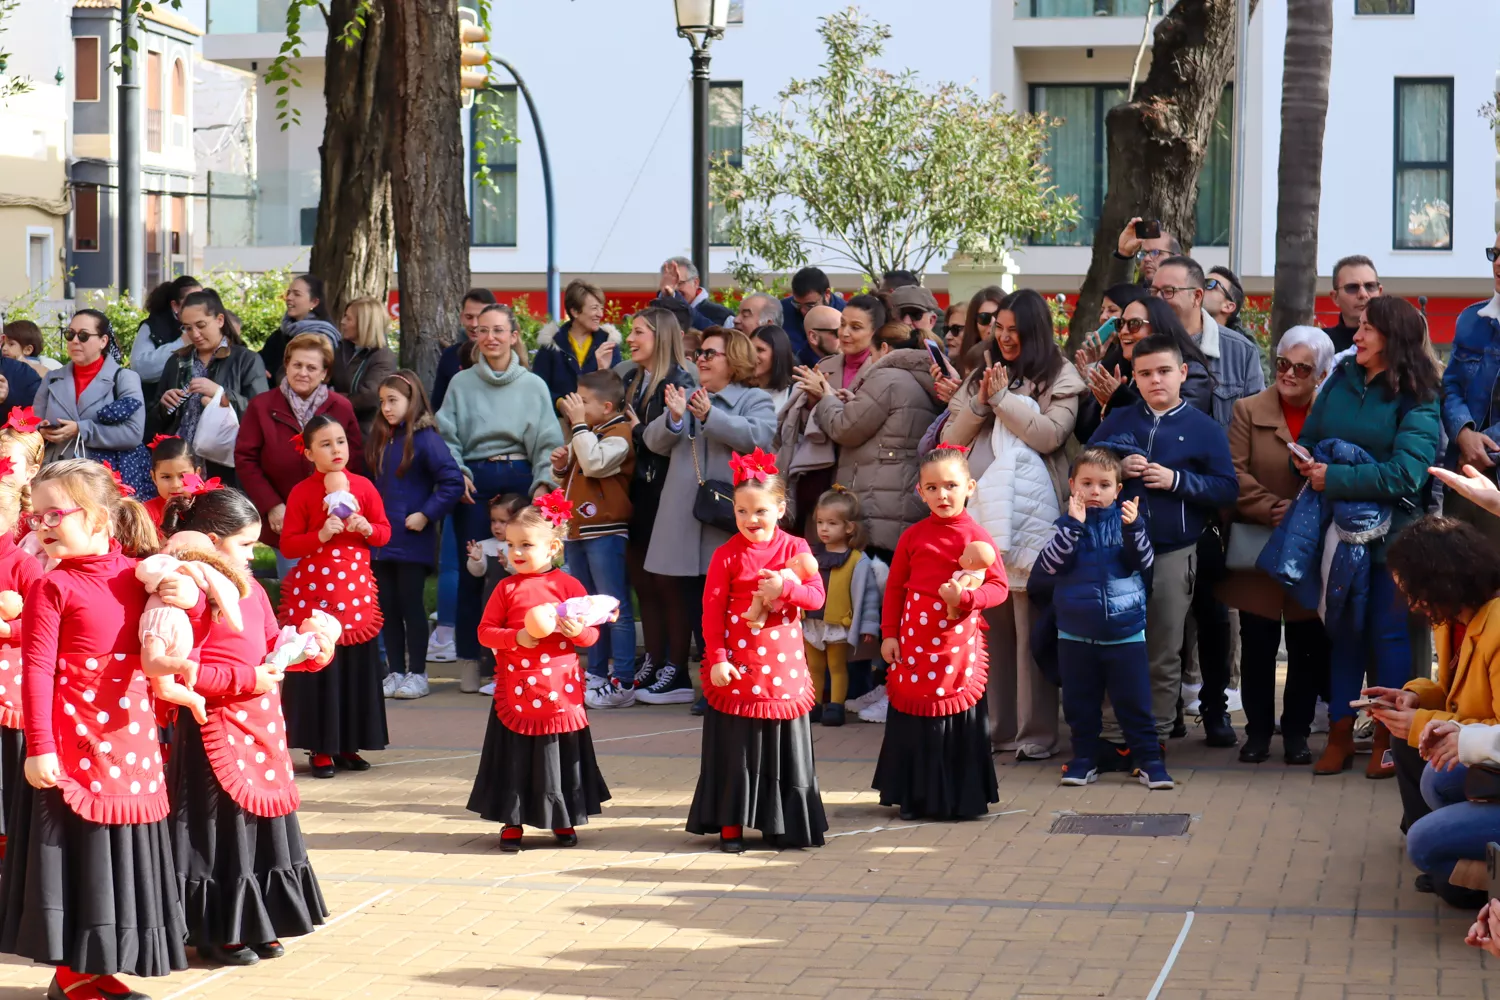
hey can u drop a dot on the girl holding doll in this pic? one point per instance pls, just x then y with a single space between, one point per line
21 448
538 766
333 518
89 886
935 759
757 762
245 876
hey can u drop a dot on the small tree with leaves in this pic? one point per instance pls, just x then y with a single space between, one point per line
871 169
11 86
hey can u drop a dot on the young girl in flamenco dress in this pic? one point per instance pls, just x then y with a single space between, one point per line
538 767
757 761
89 886
245 876
336 712
935 761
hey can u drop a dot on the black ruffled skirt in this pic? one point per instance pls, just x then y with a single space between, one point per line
339 709
758 773
547 782
243 878
101 900
12 772
937 767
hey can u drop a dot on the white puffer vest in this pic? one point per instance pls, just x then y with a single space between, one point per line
1015 502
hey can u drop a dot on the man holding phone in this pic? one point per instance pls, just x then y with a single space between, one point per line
1147 243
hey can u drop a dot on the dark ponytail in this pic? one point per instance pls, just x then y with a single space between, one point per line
876 304
101 323
221 512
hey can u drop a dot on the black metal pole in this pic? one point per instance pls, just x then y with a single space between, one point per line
554 281
700 161
130 249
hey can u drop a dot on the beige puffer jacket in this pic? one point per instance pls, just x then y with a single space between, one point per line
878 432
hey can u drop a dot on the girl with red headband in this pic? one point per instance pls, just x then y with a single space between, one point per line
538 766
757 763
935 759
336 712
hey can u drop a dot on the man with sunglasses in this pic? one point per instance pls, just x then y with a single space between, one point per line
1223 297
1148 254
810 290
917 308
1471 400
822 325
1355 283
1233 358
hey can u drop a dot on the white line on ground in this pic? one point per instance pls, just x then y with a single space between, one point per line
322 927
1166 969
462 756
913 826
639 736
425 760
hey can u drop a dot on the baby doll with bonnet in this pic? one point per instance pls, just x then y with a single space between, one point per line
297 646
338 500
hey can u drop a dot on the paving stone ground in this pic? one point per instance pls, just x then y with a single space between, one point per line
1289 887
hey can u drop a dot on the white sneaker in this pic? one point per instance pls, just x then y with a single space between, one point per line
391 683
440 647
610 694
488 690
875 712
593 682
1191 705
864 701
1232 701
1320 717
414 686
1033 751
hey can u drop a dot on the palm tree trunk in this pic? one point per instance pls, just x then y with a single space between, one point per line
1299 174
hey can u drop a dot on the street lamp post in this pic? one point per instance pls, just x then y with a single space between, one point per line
700 22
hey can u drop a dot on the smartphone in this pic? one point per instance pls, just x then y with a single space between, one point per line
1358 703
1492 862
940 359
1148 229
1301 452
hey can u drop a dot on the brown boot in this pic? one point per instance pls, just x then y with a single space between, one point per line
1379 750
1338 756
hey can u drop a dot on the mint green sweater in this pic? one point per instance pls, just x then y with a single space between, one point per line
487 413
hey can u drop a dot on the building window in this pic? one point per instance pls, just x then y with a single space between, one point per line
1076 153
492 212
1424 165
153 102
178 235
179 104
86 217
153 240
1089 8
1216 178
726 144
86 69
1385 6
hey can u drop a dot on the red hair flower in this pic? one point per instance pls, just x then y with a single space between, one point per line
160 438
298 444
196 485
951 447
758 465
24 420
6 466
126 490
555 507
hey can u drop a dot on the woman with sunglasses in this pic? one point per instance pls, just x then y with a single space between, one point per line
954 318
1262 427
1110 380
93 407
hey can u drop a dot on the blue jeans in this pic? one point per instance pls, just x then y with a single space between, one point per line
1123 671
599 564
1384 650
490 479
284 566
448 567
1455 830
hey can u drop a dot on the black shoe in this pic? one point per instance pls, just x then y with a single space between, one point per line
1114 757
732 845
569 839
815 715
833 715
673 686
321 770
108 994
1255 751
1423 883
700 706
509 845
220 955
1179 729
351 762
1295 750
271 949
645 673
1219 733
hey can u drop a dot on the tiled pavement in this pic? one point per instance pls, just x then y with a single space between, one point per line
1289 888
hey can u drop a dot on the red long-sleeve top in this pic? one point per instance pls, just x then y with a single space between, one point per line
305 515
19 571
538 689
227 659
927 557
156 507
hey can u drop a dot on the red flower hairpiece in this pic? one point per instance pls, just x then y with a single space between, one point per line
945 446
23 419
160 438
298 444
555 507
758 465
126 490
6 466
196 485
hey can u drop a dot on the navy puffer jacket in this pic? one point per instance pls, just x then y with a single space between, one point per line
1099 574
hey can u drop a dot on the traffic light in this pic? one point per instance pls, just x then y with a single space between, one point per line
472 53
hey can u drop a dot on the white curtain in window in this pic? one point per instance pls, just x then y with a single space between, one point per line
1424 191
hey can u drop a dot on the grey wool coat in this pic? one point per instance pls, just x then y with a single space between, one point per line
55 401
742 419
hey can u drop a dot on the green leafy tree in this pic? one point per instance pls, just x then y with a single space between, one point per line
11 86
874 170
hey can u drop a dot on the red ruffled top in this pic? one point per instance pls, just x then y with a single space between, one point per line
332 576
538 690
19 571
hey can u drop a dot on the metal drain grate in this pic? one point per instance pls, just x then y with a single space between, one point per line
1123 824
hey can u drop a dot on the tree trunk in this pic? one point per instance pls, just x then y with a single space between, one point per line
427 178
1299 173
1157 142
353 250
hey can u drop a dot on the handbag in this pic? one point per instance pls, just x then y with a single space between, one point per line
218 428
713 504
1482 783
1245 544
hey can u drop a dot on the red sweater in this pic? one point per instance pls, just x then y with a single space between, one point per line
774 682
84 374
538 689
19 571
156 507
305 515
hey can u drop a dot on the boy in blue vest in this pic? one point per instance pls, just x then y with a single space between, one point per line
1099 561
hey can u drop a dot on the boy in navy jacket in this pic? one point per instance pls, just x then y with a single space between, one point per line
1098 563
1177 467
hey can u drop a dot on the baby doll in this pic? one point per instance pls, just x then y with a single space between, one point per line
799 569
591 610
976 558
10 610
297 645
166 632
339 501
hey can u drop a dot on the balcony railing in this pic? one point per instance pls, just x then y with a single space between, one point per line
1085 8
